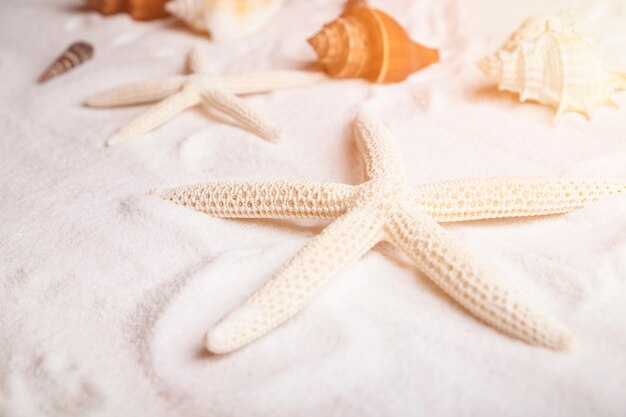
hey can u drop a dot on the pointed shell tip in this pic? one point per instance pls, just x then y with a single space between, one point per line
426 56
316 43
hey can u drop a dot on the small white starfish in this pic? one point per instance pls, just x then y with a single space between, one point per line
384 207
178 93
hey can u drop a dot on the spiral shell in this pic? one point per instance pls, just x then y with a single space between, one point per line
75 55
224 19
368 43
138 9
547 61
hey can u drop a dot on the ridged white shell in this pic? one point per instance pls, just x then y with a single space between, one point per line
224 19
547 61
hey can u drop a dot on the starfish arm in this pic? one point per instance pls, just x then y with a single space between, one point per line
470 283
381 158
263 82
137 93
264 200
157 115
196 61
236 108
337 247
511 197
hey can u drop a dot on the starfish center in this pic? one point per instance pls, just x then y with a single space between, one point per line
384 193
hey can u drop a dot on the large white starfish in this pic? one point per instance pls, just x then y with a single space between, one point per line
384 207
178 93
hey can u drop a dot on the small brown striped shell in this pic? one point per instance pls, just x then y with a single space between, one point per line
73 56
137 9
368 43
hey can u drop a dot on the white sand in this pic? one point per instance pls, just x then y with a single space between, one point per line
106 292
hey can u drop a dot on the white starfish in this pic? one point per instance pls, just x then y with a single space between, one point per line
178 93
384 207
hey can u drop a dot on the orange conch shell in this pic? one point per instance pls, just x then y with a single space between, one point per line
138 9
367 43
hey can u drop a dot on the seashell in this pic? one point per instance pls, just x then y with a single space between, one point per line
138 9
147 9
224 19
107 7
547 61
73 56
368 43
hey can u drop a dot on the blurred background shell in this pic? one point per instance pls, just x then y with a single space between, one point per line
75 55
547 61
368 43
225 19
137 9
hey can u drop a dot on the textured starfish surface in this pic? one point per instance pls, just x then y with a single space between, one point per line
385 207
179 93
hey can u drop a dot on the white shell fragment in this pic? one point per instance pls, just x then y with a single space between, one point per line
224 19
547 61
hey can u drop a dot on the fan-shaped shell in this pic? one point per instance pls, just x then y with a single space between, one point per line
368 43
225 19
138 9
547 61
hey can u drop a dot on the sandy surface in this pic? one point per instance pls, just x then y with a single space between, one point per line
106 292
